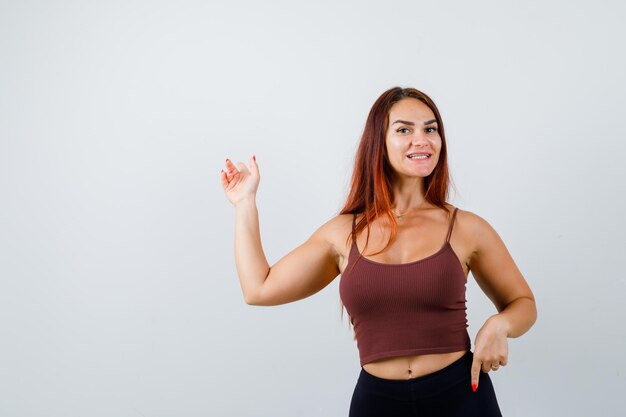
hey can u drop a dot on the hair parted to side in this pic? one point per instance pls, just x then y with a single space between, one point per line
370 190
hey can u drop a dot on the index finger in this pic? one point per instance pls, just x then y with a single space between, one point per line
475 373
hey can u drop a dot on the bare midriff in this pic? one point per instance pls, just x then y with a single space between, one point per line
408 367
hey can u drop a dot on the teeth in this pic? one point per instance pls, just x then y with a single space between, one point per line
412 156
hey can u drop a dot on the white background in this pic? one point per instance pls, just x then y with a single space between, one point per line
118 289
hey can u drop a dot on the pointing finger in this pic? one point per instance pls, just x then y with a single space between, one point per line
475 372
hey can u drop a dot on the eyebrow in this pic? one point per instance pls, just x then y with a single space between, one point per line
413 124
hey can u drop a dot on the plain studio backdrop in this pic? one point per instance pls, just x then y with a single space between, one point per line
119 294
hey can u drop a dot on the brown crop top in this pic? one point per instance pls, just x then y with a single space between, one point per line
406 309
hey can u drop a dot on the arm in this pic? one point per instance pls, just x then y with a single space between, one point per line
301 273
500 279
252 266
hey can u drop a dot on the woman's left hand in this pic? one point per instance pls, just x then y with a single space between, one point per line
491 348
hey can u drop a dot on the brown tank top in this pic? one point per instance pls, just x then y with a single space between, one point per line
406 309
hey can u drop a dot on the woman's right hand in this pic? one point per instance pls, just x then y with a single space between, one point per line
239 182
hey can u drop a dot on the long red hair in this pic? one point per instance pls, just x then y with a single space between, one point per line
370 189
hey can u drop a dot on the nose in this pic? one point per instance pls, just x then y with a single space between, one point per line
419 138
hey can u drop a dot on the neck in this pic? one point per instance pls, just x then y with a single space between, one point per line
399 208
408 196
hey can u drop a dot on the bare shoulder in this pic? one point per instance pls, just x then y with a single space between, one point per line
474 219
464 223
469 220
480 235
475 229
335 232
336 228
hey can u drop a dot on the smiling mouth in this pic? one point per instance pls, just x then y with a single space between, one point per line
420 157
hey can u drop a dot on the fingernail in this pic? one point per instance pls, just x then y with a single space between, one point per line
227 159
254 157
474 386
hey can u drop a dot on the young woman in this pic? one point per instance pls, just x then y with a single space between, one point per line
405 297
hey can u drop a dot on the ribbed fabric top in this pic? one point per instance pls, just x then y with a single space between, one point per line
406 309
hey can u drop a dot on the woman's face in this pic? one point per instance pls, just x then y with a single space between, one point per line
412 129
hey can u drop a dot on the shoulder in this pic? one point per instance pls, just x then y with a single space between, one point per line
472 221
336 227
478 231
335 232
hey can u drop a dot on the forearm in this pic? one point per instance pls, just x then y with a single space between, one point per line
252 266
518 316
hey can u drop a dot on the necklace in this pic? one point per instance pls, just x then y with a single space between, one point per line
401 215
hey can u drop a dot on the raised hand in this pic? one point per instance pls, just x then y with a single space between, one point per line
239 182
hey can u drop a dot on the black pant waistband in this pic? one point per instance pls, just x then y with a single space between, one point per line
425 385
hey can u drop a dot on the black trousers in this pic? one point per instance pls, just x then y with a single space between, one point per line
443 393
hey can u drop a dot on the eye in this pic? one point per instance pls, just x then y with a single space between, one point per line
405 128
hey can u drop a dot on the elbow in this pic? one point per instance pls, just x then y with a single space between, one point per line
252 298
249 300
533 312
261 302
